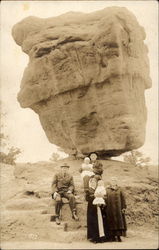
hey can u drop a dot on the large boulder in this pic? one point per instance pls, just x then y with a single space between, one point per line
86 79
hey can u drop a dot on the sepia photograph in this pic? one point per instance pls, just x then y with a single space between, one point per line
79 125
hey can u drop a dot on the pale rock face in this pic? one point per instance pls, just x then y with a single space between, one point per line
86 79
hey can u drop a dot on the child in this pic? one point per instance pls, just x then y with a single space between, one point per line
115 211
99 194
87 172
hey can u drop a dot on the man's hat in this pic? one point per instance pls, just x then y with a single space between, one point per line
64 165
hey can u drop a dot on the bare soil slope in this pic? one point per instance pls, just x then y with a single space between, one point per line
27 206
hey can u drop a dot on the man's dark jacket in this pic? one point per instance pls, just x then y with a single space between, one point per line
63 183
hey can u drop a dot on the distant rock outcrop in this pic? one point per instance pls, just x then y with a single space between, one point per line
86 79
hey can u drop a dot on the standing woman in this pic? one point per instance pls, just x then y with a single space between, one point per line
115 211
97 166
95 214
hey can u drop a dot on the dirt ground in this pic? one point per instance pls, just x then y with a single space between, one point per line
136 240
26 207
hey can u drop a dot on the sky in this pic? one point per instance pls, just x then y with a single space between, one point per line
23 125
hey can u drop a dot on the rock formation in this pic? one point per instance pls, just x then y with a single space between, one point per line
86 79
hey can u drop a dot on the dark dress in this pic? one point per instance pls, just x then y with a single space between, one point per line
97 167
115 219
92 217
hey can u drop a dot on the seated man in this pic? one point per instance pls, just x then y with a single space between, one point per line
63 186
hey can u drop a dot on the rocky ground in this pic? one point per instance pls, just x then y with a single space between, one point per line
26 207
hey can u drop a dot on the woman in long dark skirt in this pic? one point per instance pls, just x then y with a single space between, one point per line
95 214
92 222
115 212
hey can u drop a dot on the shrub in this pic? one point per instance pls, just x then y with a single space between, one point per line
10 157
136 158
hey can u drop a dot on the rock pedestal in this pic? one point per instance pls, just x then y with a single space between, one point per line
86 79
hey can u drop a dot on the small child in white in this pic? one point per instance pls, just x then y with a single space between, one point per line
99 194
87 172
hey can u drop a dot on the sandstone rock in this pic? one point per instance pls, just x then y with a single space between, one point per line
86 79
25 204
9 185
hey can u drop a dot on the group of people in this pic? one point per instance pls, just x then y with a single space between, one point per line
105 205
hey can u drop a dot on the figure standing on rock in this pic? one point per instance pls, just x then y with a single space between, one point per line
86 172
97 166
90 167
63 186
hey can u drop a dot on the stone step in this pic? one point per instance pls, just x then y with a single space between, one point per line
33 203
41 206
26 204
25 224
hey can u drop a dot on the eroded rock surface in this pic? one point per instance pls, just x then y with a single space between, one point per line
86 79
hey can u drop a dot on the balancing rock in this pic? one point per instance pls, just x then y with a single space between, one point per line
86 79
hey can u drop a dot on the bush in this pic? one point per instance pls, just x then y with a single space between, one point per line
9 154
55 157
59 155
10 157
136 158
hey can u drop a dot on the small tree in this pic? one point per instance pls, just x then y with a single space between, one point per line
9 153
136 158
11 156
55 157
59 155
